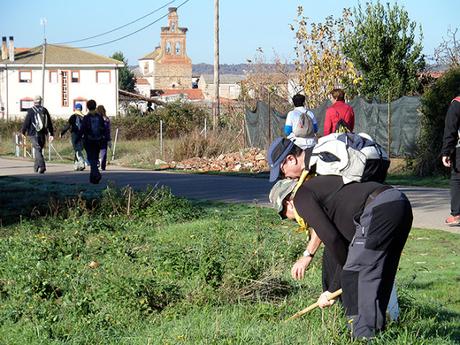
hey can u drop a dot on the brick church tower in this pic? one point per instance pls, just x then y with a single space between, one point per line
168 66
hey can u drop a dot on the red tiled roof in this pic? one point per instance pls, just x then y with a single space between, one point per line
142 81
192 94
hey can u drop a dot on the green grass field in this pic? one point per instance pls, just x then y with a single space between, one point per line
150 268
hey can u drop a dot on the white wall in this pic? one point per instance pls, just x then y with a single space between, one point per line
87 88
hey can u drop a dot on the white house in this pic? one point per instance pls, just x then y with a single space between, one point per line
71 76
229 85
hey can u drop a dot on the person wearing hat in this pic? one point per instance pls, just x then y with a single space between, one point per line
37 125
364 227
74 124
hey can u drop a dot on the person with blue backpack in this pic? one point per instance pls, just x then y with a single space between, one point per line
92 133
74 125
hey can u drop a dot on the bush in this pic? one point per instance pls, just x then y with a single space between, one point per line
435 103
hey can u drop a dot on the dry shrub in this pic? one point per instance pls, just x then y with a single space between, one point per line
195 144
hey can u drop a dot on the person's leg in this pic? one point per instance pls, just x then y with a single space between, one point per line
369 273
92 153
38 142
103 156
77 145
455 193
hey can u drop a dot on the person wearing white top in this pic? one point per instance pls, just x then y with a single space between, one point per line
292 121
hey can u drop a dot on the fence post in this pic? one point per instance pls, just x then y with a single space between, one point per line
205 128
161 139
269 119
115 144
49 151
389 126
17 152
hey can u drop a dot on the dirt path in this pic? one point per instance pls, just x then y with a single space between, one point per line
431 205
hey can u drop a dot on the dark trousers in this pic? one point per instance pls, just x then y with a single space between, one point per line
103 156
77 145
92 149
455 192
369 272
38 142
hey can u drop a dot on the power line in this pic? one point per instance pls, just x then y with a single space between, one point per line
132 33
120 27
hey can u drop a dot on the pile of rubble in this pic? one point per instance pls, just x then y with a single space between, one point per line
247 160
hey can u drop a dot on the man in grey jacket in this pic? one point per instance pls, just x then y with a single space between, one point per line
37 125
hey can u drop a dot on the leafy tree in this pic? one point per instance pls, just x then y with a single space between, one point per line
435 102
383 48
126 79
320 63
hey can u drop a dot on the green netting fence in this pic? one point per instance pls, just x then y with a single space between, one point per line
395 126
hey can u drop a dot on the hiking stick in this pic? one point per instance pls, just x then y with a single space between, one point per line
313 306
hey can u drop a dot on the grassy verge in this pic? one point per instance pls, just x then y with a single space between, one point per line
409 180
150 268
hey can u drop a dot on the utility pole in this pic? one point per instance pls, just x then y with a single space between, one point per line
43 22
216 108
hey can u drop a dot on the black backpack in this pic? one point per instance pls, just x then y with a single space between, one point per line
96 128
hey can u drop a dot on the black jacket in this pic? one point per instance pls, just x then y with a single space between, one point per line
330 207
451 127
72 124
28 127
87 133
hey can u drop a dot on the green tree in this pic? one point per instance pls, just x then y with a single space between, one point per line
383 47
320 62
126 79
435 102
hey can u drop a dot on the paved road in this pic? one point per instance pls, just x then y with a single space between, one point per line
431 205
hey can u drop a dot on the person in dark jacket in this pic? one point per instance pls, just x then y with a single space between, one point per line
93 134
107 142
451 158
364 226
37 124
74 125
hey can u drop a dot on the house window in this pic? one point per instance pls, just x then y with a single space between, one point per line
177 48
26 104
168 48
53 77
25 76
146 68
103 77
75 76
81 101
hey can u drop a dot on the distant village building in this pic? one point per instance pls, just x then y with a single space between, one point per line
71 76
229 85
167 67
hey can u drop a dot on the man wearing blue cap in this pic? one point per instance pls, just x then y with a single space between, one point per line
74 124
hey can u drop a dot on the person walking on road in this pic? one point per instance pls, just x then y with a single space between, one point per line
451 158
92 132
338 113
74 124
106 142
37 125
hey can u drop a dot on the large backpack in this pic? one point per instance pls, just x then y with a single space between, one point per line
304 128
96 127
40 121
355 157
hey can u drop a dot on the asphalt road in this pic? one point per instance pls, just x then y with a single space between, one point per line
430 205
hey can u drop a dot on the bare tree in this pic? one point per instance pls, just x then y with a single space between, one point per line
448 52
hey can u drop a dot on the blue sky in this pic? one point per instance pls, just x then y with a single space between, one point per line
244 25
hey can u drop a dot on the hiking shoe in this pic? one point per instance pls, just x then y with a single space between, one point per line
453 220
42 171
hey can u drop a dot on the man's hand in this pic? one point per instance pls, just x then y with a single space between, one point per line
446 161
298 270
323 301
51 138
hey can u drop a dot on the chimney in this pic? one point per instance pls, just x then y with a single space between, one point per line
4 49
11 46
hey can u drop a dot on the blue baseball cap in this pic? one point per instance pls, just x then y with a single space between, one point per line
277 152
78 106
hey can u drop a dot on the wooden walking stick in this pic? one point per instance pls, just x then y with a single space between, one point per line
333 295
